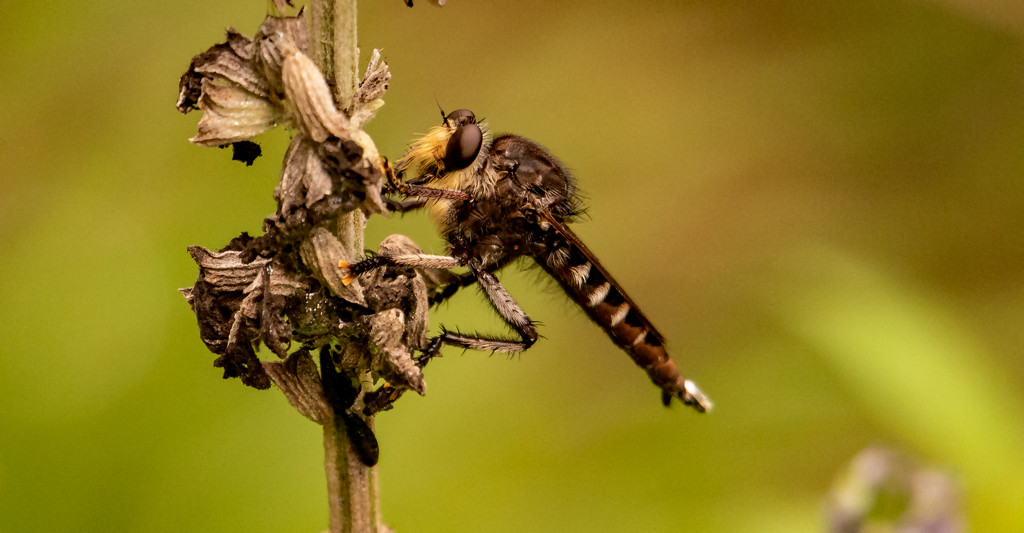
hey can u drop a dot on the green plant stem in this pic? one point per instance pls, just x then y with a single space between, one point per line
351 485
352 488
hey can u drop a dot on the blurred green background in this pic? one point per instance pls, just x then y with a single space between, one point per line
820 204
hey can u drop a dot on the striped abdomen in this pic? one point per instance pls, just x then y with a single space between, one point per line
591 286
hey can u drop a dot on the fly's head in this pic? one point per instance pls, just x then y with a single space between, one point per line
452 155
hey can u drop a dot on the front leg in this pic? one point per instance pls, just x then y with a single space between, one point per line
350 271
404 206
419 193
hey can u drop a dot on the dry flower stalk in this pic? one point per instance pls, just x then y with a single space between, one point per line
283 289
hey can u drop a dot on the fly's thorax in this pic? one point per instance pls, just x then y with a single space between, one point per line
530 173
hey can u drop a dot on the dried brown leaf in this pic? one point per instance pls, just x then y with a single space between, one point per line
299 380
304 181
322 252
225 271
392 358
277 37
232 61
232 114
367 99
310 97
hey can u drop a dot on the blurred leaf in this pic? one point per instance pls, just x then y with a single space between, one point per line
912 363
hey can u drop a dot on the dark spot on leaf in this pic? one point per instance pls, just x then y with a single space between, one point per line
245 151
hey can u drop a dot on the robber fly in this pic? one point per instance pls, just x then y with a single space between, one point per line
497 199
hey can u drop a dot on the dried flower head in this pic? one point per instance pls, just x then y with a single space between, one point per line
246 86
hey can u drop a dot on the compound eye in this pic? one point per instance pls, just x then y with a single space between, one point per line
461 117
463 147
